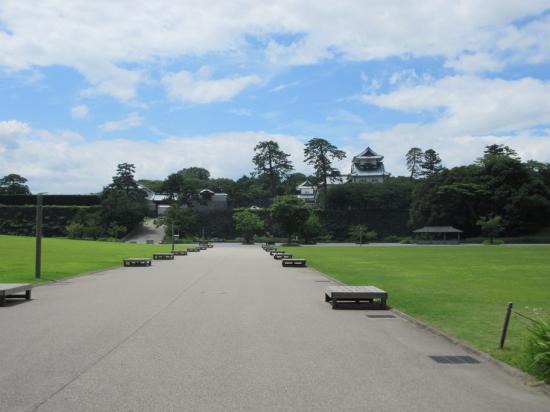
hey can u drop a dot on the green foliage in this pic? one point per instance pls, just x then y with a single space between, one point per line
362 233
320 154
271 161
538 349
290 213
13 184
312 229
75 230
491 226
183 220
248 224
407 241
431 163
123 203
498 184
414 158
495 242
51 200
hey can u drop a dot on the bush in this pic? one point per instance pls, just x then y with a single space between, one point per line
75 230
538 349
495 242
407 241
392 239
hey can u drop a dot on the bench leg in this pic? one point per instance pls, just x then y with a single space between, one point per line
2 300
28 295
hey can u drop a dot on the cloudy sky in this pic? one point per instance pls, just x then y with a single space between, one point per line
166 84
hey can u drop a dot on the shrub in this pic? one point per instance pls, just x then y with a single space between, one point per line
494 242
392 239
538 349
75 230
407 241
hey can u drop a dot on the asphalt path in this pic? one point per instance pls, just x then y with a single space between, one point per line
229 329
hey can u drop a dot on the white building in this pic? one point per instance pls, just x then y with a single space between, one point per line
307 192
367 167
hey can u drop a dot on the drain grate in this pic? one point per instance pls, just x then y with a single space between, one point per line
381 316
454 359
323 281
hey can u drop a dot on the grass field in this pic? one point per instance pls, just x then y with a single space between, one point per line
63 257
462 290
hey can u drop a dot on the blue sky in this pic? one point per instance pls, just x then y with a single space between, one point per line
86 85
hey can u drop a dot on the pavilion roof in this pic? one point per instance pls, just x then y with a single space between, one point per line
438 229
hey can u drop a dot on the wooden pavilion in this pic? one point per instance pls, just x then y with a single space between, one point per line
437 235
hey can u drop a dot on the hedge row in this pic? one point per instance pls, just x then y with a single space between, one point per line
51 200
20 220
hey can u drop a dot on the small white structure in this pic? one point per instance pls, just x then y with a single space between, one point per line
213 200
367 167
306 191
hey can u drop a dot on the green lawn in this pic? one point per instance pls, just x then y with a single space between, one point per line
462 290
63 257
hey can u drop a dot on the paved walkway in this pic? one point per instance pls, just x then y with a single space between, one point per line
148 231
228 329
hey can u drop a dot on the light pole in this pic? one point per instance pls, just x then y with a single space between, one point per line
38 249
172 236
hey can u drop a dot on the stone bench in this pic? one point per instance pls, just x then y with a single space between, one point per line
179 252
356 297
280 256
203 247
276 252
14 291
206 245
163 256
294 262
137 262
193 249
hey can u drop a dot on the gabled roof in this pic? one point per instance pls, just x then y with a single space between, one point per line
305 183
438 229
368 152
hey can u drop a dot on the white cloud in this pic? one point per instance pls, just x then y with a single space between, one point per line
11 131
129 122
80 112
472 104
468 114
199 89
114 54
86 165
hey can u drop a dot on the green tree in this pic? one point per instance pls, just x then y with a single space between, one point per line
183 220
320 154
290 213
271 161
362 233
414 159
14 184
248 224
431 163
123 203
291 182
500 150
312 229
491 226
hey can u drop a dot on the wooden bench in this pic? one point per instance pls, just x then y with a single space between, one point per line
280 256
193 249
203 247
268 248
276 252
150 241
356 297
13 291
294 262
179 252
137 262
163 256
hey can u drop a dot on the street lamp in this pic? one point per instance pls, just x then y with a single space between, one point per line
38 250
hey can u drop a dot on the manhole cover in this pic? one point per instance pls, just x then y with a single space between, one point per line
454 359
381 316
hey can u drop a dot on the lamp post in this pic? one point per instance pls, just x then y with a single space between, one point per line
38 249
